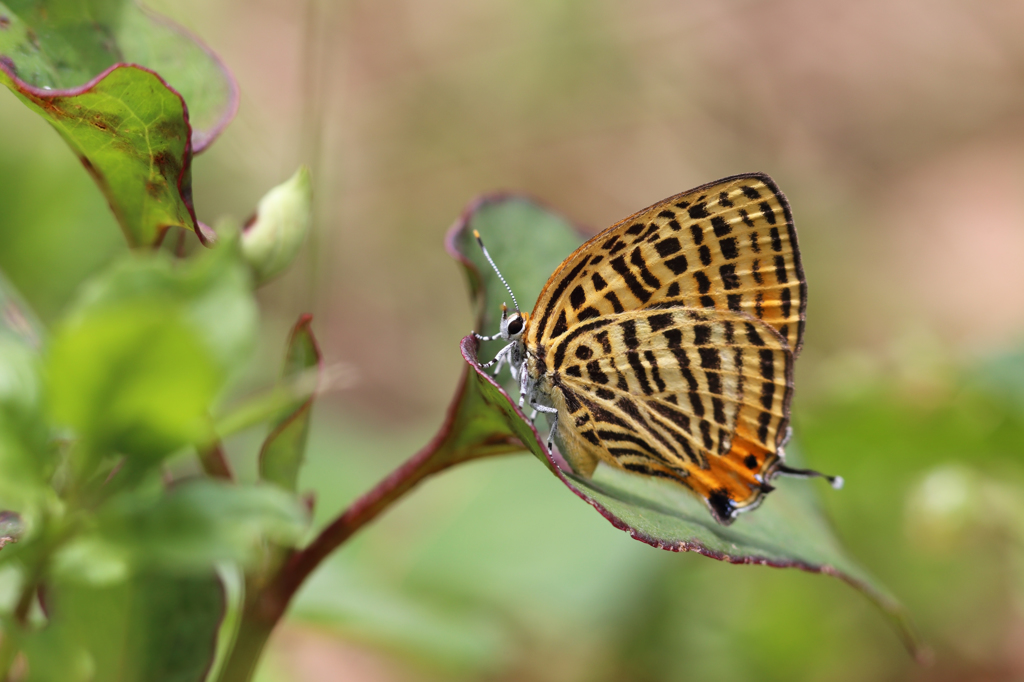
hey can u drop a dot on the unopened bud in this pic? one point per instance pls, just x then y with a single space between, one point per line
272 238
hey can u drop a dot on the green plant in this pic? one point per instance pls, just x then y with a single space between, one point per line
118 565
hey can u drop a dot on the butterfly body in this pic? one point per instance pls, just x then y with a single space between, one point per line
665 344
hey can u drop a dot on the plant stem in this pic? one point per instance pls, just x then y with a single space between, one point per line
8 649
28 595
400 481
254 630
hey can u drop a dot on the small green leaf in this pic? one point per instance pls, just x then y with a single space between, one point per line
787 531
156 627
138 364
186 529
284 449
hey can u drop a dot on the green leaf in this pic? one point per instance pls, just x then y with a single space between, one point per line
284 449
156 627
215 287
138 364
134 379
91 70
186 529
47 46
788 530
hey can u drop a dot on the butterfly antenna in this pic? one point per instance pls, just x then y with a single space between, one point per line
835 481
496 270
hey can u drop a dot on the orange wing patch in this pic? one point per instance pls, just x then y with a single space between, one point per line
699 396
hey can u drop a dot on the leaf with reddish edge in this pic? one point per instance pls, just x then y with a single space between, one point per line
131 132
46 47
788 531
90 69
284 449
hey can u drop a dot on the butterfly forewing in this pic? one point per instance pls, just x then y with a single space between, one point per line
729 245
700 396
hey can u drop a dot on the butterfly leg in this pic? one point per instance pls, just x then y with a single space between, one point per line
501 358
512 367
551 433
525 385
537 407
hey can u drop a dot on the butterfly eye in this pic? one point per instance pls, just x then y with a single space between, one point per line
515 326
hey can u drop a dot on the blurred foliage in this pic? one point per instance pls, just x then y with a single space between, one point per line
124 564
284 450
150 627
114 565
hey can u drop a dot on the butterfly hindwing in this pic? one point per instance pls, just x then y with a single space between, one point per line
728 245
700 396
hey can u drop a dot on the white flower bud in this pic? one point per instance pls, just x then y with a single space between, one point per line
272 238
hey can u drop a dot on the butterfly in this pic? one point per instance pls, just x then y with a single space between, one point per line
664 346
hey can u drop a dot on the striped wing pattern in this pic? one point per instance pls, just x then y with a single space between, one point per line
728 245
699 396
667 341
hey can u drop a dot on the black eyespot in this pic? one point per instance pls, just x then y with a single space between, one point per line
515 326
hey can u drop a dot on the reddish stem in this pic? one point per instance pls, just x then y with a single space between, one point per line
302 563
215 462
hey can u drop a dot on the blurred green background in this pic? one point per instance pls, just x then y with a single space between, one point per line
896 128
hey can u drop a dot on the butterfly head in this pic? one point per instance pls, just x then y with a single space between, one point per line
513 324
